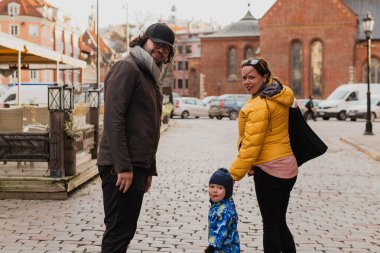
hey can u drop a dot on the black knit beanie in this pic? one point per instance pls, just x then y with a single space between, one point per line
223 177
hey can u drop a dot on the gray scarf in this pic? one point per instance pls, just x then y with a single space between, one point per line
146 61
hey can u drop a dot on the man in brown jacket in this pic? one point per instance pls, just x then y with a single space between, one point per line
132 119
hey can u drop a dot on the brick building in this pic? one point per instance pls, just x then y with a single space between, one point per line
312 46
216 70
315 46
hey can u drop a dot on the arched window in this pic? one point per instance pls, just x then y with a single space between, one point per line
316 68
248 53
195 82
375 71
232 62
297 68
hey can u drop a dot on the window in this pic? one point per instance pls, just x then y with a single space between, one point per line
353 96
316 68
67 76
182 65
248 53
13 9
174 80
186 83
195 81
33 31
232 62
180 49
76 76
189 101
14 30
33 75
188 49
58 40
180 84
14 77
297 68
68 47
11 97
375 71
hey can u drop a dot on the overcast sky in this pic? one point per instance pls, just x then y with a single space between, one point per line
113 12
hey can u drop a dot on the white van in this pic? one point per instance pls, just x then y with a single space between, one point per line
344 97
31 94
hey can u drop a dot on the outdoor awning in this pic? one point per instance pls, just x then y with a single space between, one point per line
32 53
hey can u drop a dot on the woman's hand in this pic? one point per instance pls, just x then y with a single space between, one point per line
251 171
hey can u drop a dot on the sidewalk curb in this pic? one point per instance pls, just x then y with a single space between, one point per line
164 127
367 151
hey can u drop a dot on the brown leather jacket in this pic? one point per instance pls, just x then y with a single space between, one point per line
132 118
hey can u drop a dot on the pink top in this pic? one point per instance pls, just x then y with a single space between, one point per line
282 168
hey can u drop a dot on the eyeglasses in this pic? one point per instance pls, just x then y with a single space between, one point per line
165 47
251 62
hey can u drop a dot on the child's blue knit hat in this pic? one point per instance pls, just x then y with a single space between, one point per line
223 177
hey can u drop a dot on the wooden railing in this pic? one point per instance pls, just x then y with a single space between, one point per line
24 147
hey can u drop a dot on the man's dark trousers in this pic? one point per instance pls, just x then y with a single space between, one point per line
121 210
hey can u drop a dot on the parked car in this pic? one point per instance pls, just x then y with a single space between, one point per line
207 101
301 103
360 111
228 105
189 107
342 98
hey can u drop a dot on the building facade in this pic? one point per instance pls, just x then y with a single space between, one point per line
38 22
217 71
312 51
317 50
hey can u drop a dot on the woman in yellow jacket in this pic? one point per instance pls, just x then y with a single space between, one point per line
265 151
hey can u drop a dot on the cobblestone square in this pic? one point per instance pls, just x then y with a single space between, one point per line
334 206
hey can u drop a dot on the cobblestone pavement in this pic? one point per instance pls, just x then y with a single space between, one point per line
334 206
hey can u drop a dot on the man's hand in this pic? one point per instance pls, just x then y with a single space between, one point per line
124 180
148 183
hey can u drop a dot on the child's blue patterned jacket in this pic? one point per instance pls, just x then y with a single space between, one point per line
223 220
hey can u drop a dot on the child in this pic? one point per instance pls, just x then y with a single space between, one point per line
222 216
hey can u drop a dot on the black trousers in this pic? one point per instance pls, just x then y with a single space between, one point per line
273 197
121 210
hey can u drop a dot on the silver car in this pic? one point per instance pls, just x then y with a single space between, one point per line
186 107
359 111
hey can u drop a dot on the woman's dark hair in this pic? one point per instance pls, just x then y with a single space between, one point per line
141 40
259 64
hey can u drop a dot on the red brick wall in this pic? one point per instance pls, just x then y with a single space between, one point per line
214 63
331 22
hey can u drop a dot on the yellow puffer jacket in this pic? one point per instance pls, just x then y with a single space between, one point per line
263 129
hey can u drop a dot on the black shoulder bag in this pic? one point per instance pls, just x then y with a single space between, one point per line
305 143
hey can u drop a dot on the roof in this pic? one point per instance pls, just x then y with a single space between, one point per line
248 26
104 49
32 53
361 8
27 7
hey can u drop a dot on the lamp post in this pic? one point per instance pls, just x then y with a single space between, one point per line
56 131
94 99
126 27
368 23
97 47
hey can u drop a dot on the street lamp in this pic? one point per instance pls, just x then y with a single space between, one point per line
68 98
55 98
368 23
94 98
